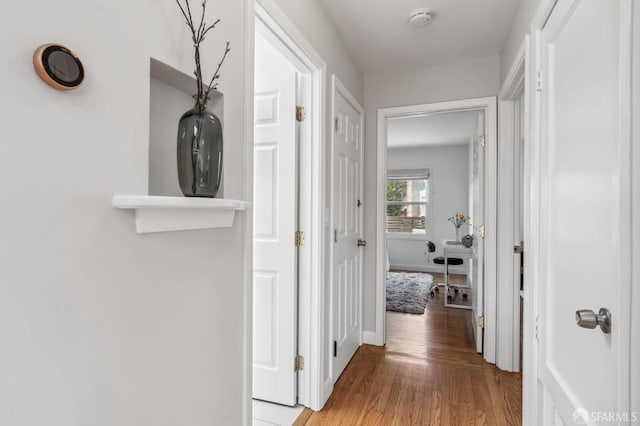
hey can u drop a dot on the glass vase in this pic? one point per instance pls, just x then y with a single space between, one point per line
199 152
457 233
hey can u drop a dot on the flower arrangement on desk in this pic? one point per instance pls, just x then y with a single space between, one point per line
458 219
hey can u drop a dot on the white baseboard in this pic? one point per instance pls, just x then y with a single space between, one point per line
430 268
369 337
474 327
327 389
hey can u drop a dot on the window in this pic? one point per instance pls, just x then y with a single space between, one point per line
407 201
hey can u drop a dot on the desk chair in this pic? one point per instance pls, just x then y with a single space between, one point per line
431 247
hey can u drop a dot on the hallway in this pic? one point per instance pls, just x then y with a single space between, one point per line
428 373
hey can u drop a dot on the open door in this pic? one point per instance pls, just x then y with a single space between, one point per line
583 238
346 292
477 228
274 225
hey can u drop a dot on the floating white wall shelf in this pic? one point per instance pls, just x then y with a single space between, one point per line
163 214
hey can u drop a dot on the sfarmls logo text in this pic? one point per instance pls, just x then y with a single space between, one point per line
583 417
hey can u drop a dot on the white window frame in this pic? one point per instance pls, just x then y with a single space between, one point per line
411 174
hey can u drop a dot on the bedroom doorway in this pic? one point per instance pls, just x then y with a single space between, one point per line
432 166
433 176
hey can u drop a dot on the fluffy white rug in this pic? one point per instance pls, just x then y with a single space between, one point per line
407 291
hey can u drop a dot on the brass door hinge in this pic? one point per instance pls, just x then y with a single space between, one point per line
481 231
481 322
482 140
299 238
300 114
298 363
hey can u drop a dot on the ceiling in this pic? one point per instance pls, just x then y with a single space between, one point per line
441 129
378 34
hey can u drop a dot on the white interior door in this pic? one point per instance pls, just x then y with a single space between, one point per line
585 211
347 219
274 225
477 221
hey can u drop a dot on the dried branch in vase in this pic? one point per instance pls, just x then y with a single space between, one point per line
198 34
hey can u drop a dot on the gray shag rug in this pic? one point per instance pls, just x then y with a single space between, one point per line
407 291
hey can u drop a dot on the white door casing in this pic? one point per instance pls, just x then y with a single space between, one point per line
489 108
517 276
477 220
513 126
275 222
347 205
585 210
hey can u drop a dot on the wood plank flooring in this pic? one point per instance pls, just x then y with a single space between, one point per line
427 374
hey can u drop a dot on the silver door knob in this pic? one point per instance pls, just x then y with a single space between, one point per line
586 318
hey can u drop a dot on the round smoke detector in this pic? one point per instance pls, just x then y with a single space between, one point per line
420 18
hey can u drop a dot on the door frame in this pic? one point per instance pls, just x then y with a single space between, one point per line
531 404
489 105
635 231
247 216
338 88
508 321
532 394
312 160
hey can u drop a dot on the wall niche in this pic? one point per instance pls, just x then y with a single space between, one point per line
164 208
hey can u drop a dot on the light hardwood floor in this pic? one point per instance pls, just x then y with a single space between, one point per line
427 374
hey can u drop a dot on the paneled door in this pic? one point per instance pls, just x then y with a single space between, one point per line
274 226
346 292
584 269
477 228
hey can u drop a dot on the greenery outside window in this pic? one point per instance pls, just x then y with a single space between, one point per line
407 201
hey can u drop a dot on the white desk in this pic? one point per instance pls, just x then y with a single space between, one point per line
454 249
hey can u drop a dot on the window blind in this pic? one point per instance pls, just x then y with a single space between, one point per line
408 174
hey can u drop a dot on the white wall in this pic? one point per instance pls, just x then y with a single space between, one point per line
461 80
99 325
449 187
312 20
520 27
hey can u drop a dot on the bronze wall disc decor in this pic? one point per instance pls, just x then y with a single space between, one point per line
58 66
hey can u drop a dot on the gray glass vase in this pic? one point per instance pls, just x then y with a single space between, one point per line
199 152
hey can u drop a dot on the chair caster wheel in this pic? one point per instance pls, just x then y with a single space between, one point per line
464 296
456 291
433 294
449 298
437 290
